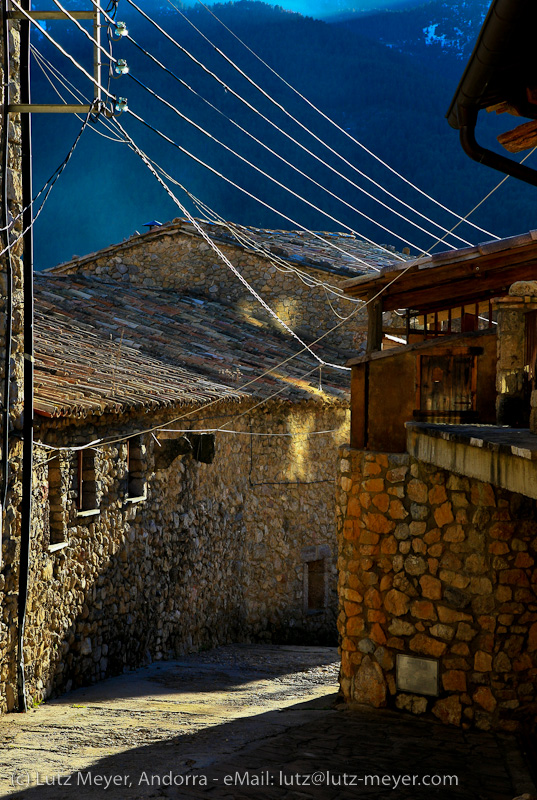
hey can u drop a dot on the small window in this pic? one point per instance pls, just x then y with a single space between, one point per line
56 499
316 581
135 468
85 481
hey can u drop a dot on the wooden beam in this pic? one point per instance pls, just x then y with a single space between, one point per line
51 15
374 325
455 283
359 401
504 108
458 344
521 138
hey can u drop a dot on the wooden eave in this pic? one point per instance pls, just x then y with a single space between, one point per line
435 343
450 279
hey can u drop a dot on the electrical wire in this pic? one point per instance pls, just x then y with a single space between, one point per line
271 178
61 49
339 128
240 236
227 88
303 434
206 133
43 64
212 244
262 144
185 118
253 196
310 132
51 183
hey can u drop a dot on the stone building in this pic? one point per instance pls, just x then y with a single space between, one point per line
437 514
157 540
292 270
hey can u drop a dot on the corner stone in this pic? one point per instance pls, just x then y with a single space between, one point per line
369 684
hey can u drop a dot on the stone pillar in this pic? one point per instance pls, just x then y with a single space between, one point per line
10 517
512 376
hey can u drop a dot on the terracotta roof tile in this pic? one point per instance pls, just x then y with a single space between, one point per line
102 347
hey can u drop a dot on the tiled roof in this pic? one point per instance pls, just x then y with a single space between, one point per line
448 257
338 253
452 276
101 349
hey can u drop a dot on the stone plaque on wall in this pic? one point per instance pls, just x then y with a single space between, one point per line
417 675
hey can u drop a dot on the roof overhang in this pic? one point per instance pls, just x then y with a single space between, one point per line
452 278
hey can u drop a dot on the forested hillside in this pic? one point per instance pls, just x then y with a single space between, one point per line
390 93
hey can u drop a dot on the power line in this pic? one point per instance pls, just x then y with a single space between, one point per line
62 51
241 236
267 175
222 255
335 124
43 62
270 177
262 144
281 185
227 88
254 197
50 184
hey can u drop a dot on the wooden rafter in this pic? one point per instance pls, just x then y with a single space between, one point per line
521 138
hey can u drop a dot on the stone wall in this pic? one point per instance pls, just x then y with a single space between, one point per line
436 565
173 258
10 528
513 379
211 554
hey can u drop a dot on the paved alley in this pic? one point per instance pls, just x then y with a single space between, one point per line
244 722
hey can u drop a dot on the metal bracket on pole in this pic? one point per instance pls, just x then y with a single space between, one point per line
67 108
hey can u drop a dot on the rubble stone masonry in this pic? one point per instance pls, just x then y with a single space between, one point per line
207 554
436 565
171 258
10 514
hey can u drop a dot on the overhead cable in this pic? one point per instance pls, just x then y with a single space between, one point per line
232 183
238 233
299 144
212 244
44 64
275 180
46 189
253 196
295 168
335 124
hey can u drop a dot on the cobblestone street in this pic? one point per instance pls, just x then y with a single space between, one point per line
244 722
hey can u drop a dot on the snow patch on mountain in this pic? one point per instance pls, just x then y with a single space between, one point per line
457 27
